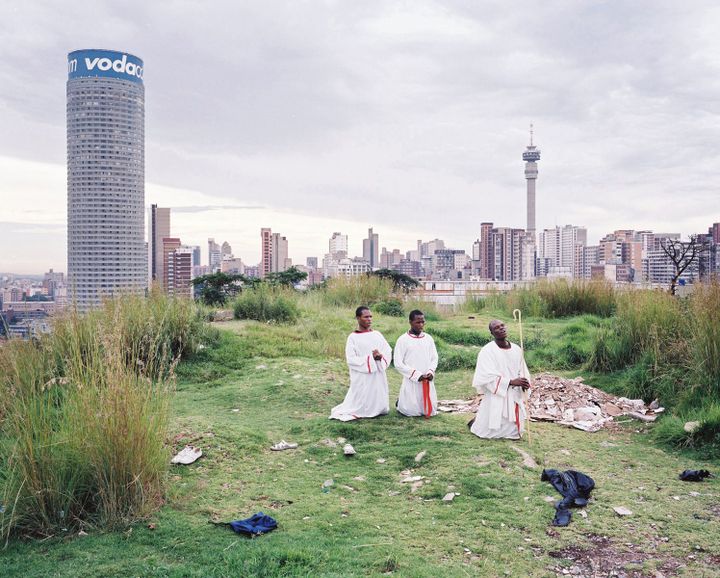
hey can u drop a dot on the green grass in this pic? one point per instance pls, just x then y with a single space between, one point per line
260 383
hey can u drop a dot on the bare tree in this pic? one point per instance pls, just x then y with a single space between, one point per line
682 254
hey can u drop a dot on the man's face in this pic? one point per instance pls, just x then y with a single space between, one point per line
417 324
498 329
365 319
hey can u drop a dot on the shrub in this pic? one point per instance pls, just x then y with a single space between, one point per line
355 291
266 304
391 307
705 341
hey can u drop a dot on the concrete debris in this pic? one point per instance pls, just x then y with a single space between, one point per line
420 456
691 426
449 497
569 402
412 479
622 511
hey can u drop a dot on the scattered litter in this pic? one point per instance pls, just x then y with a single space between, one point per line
691 426
676 498
449 497
348 488
297 376
568 402
694 494
583 513
255 525
622 511
326 485
261 367
235 410
187 455
82 533
528 462
283 445
565 452
420 456
549 499
695 475
306 517
341 440
348 450
380 460
575 488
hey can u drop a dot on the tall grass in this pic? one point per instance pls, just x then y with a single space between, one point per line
705 330
85 414
552 299
353 292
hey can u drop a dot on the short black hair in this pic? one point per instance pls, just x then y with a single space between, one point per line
359 310
415 313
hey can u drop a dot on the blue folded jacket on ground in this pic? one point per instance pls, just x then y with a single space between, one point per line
575 488
254 525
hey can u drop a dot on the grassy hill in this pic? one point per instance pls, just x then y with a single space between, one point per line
256 383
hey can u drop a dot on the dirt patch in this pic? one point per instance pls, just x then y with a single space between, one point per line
599 557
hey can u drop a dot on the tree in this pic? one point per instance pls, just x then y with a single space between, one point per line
682 254
400 280
217 288
290 277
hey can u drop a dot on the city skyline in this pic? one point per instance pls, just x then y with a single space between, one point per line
622 107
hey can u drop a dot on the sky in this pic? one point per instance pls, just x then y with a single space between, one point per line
410 117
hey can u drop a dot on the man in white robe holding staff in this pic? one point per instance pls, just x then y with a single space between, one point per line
416 359
501 375
368 356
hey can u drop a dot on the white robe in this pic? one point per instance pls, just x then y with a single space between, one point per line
368 395
415 356
502 412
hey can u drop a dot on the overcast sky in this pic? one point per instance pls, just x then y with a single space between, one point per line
410 117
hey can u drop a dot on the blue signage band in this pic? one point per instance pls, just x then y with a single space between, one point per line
105 64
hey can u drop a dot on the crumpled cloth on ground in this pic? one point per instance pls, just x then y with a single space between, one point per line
694 475
253 526
575 487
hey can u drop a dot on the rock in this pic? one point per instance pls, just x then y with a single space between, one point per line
449 497
691 426
411 479
380 460
261 366
622 511
420 456
642 416
528 462
583 513
549 499
654 404
328 483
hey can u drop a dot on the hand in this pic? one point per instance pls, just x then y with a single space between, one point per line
520 382
377 356
427 377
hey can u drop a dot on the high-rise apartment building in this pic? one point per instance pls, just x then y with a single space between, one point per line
158 229
561 247
214 256
487 265
105 175
266 247
177 268
371 249
279 259
338 245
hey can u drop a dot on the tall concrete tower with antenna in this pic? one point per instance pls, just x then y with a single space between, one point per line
531 156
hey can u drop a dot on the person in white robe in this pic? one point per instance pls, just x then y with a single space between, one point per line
502 376
416 359
368 356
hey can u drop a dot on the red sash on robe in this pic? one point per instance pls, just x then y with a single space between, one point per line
427 402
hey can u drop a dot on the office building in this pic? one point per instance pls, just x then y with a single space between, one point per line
105 175
158 229
371 249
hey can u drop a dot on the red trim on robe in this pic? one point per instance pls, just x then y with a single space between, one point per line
413 373
497 385
368 363
416 336
517 417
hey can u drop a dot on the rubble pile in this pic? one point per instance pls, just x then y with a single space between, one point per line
569 402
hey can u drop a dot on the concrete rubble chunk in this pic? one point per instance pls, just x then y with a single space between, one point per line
420 456
622 511
691 426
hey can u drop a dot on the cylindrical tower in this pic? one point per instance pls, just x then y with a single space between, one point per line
531 156
105 175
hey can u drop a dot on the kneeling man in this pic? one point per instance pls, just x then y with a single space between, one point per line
502 376
368 356
416 359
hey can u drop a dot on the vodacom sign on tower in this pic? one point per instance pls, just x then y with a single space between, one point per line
105 63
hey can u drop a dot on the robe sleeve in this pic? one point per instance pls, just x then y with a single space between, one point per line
488 377
386 352
433 355
405 370
356 361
